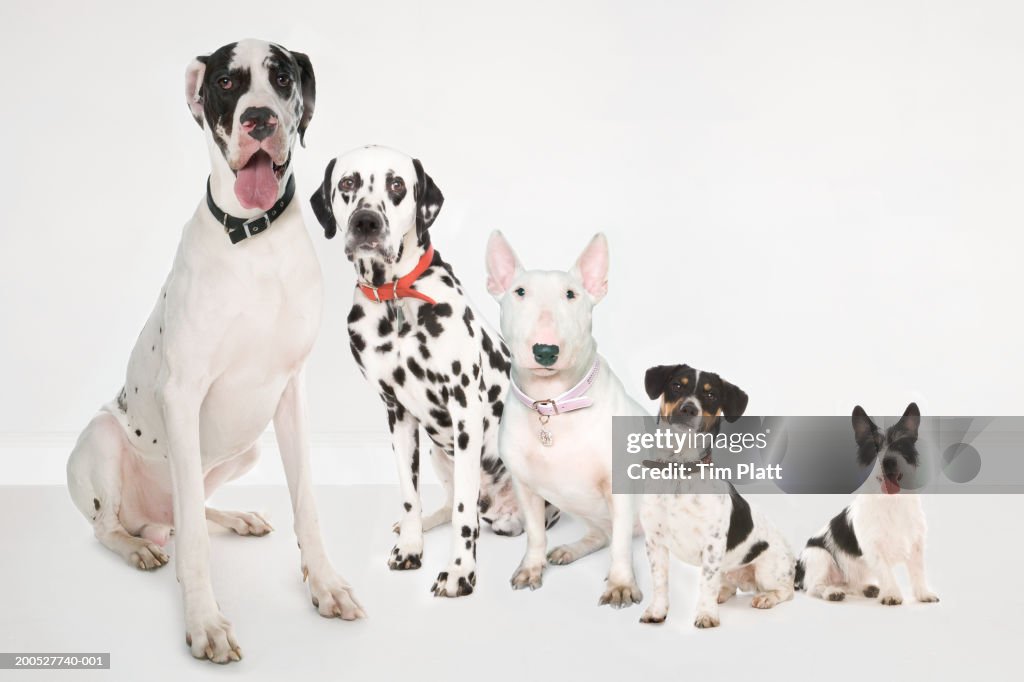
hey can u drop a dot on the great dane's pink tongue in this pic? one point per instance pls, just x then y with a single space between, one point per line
256 184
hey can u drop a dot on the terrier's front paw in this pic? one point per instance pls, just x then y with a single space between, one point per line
527 575
654 616
621 595
927 597
405 559
706 620
210 636
457 581
892 600
726 593
333 597
765 600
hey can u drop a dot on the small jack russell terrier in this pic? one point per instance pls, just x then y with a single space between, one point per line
857 550
556 433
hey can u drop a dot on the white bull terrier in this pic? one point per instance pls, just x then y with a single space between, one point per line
556 432
222 353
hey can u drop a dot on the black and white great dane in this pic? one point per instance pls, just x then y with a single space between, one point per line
222 353
434 362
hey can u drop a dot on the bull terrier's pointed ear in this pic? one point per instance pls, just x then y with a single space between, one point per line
592 267
657 378
323 204
502 264
194 88
734 401
307 81
428 199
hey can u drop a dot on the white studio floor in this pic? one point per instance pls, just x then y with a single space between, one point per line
62 592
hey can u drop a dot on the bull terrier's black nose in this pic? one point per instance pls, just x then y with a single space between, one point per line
545 354
688 410
365 223
262 120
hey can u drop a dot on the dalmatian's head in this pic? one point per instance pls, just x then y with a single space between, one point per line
379 198
252 98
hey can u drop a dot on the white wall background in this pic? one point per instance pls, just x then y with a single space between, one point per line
820 200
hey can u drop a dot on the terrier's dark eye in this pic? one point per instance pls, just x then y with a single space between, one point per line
570 294
284 80
225 83
347 184
520 292
709 395
676 386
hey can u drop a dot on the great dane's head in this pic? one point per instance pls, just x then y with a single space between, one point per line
380 198
546 316
252 98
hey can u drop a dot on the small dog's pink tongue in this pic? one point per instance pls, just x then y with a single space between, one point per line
890 487
256 184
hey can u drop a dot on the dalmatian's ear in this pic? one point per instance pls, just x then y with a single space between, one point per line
502 265
591 267
734 401
322 202
308 82
428 199
194 88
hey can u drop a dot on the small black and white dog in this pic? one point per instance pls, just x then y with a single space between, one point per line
735 546
857 550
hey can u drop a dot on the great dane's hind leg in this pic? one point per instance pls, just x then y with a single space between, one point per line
94 481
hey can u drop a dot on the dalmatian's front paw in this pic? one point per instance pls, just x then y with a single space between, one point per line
621 595
209 635
927 597
891 600
509 525
706 620
457 581
528 575
405 558
654 616
333 597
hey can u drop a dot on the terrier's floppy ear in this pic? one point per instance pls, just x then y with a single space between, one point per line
428 199
657 378
194 88
734 401
592 267
502 264
322 203
307 81
908 424
866 434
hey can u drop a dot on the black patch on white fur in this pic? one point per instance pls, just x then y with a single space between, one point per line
755 551
741 523
843 535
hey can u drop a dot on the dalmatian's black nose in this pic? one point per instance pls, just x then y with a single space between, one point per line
259 122
545 354
688 410
365 223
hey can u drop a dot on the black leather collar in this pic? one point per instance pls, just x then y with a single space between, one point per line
241 228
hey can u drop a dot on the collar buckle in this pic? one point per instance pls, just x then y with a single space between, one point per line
547 402
256 225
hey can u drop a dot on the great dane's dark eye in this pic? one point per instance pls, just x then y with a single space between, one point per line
284 80
396 185
520 292
225 83
570 294
347 184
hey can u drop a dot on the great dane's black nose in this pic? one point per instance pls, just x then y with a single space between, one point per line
263 122
545 354
364 223
688 410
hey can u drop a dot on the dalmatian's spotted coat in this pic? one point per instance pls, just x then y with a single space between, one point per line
436 366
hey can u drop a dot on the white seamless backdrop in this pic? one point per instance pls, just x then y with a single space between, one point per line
821 201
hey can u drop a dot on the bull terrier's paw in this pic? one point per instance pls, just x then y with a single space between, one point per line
726 593
891 600
833 594
654 616
509 525
405 558
333 597
527 575
706 620
143 554
211 637
457 581
871 591
160 533
244 523
927 597
562 555
764 600
621 595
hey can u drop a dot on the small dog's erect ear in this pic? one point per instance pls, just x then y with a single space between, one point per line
734 401
322 203
592 267
194 88
502 264
908 424
863 428
308 82
657 378
428 199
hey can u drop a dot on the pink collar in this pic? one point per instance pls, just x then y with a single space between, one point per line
573 399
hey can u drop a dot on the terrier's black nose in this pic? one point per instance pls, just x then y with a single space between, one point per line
262 120
688 410
545 354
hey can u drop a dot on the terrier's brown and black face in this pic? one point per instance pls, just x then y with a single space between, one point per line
694 399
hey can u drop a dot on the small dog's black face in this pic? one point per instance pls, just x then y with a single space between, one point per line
895 449
694 399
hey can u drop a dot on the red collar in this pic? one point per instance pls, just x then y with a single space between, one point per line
403 287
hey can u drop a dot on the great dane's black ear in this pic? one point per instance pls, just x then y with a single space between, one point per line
322 205
657 378
308 82
734 401
194 87
428 199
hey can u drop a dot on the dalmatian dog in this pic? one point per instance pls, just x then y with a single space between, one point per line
221 355
708 524
556 435
434 362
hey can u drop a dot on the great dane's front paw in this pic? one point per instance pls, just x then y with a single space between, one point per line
241 523
562 555
527 575
210 636
457 581
144 554
654 616
891 600
621 595
333 597
927 597
405 558
706 620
